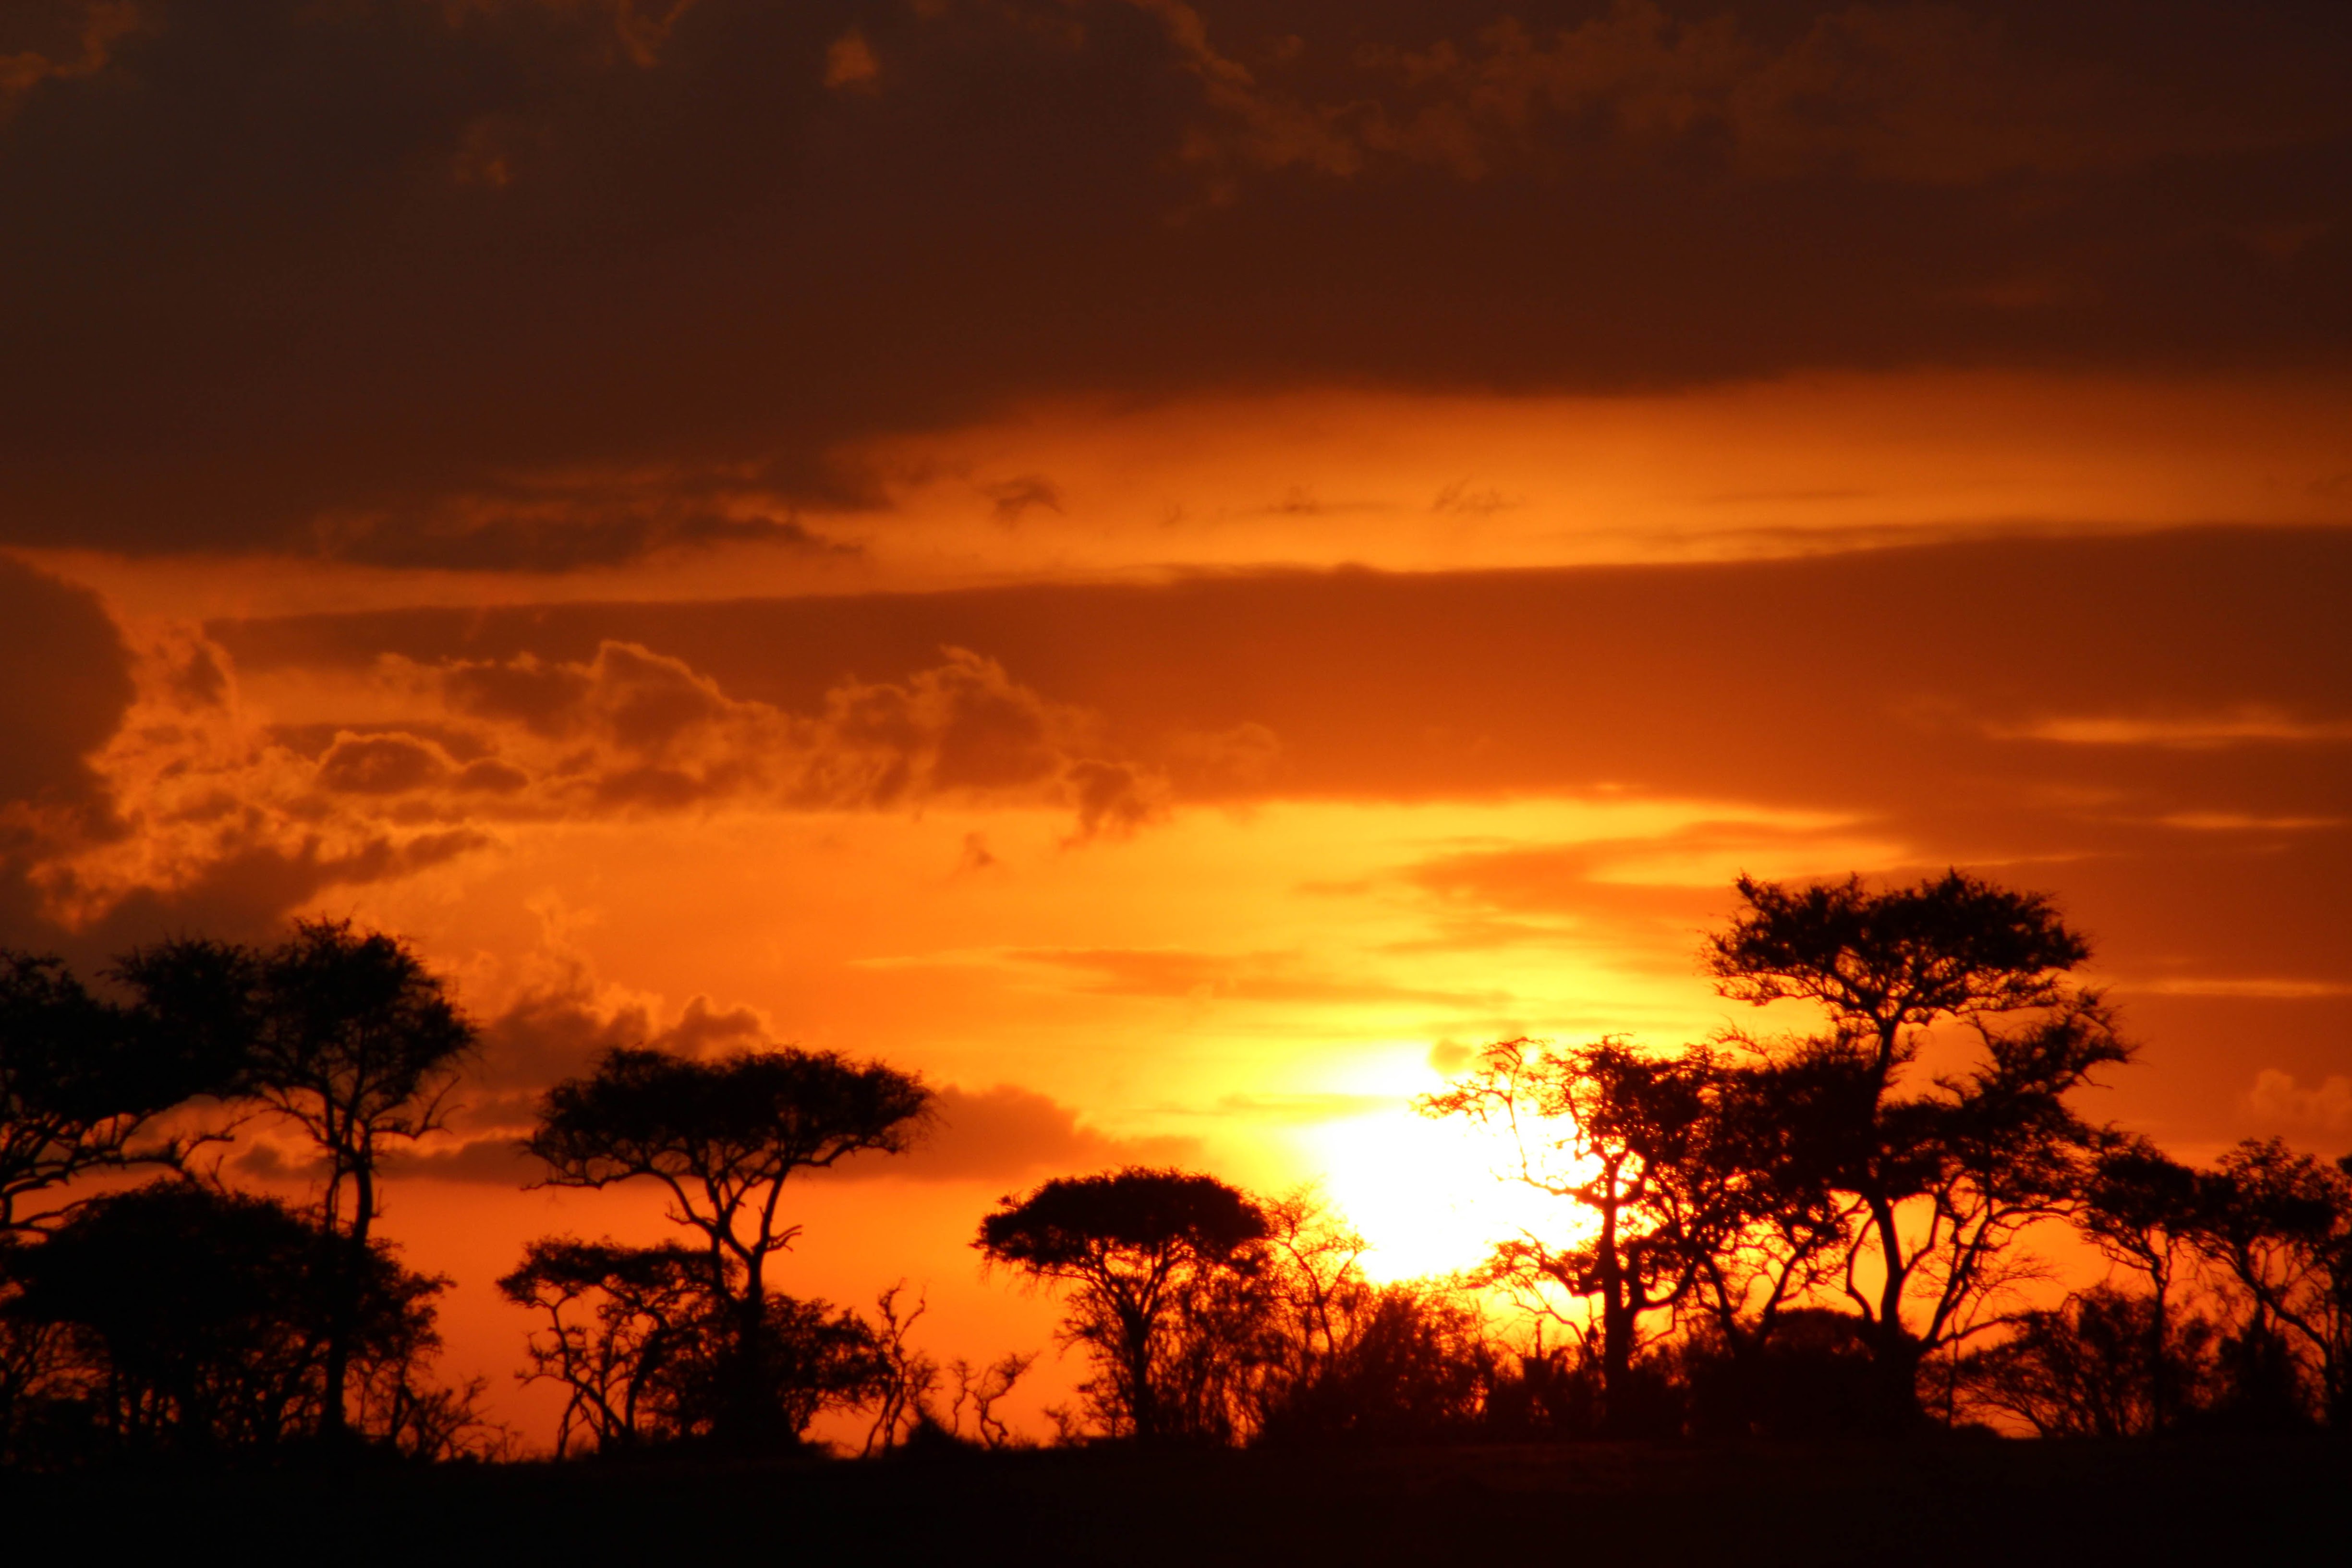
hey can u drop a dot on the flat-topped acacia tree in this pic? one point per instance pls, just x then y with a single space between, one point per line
722 1137
1134 1244
1936 1178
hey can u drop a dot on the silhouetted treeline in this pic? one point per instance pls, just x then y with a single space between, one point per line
1795 1235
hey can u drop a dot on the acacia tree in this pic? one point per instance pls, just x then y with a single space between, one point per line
2280 1223
345 1035
1144 1253
83 1083
1939 1178
619 1320
2144 1211
1614 1129
721 1138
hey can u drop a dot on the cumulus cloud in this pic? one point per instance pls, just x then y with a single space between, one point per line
2280 1100
215 812
631 729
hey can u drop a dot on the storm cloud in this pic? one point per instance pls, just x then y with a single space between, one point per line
511 284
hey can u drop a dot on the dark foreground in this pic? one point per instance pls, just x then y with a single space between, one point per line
1958 1503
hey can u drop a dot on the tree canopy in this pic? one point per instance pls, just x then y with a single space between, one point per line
721 1137
1141 1247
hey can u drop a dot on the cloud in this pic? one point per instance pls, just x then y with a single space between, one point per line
2190 730
59 40
1006 1133
65 684
1207 976
2279 1098
214 815
512 284
1008 498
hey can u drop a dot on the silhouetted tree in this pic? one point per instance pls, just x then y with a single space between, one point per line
1614 1129
1763 1234
1939 1179
83 1082
1151 1258
195 1321
343 1034
1408 1363
721 1138
649 1352
909 1378
2281 1224
980 1387
1808 1377
620 1319
2145 1210
2103 1363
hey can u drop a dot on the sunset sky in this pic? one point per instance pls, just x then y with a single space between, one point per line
1175 567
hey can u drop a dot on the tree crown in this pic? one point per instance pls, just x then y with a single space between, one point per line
756 1116
1073 1225
1948 945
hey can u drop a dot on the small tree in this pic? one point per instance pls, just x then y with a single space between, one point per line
2144 1211
1147 1254
620 1321
1614 1131
1940 1179
2280 1223
721 1138
2094 1366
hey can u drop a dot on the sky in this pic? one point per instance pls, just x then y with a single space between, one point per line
1175 568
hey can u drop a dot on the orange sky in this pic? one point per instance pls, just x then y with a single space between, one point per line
1179 644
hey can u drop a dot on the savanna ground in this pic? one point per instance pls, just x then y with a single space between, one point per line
1962 1501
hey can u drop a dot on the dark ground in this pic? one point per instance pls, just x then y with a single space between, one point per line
1984 1501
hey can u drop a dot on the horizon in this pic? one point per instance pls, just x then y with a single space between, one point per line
1176 568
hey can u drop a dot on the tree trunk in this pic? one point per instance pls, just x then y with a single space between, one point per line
342 1322
1616 1331
1893 1354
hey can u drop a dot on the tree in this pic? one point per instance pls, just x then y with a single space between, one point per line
721 1138
620 1321
1762 1232
2103 1363
1614 1129
83 1081
1145 1254
1941 1178
2281 1224
197 1322
2145 1210
345 1034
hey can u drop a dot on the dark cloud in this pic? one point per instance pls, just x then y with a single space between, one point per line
1006 1133
382 765
65 685
530 285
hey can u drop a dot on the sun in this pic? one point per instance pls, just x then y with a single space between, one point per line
1432 1198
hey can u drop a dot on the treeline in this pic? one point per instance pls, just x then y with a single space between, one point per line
1809 1233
